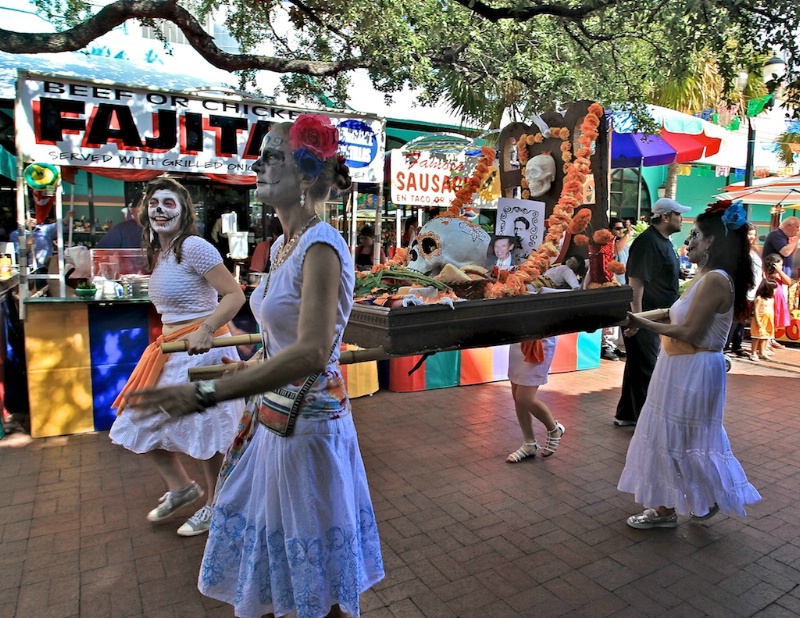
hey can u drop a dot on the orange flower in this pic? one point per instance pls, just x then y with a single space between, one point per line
591 121
601 237
524 183
596 109
530 140
538 138
550 249
566 147
525 194
564 133
566 157
580 240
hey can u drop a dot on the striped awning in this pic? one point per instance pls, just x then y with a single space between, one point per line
769 191
683 139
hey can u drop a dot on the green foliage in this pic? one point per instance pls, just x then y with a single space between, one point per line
512 55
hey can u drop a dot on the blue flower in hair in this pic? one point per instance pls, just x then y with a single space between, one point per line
734 216
307 162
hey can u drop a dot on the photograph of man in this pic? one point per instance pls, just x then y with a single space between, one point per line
500 252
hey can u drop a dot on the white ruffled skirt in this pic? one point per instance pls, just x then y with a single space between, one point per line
293 527
680 456
201 435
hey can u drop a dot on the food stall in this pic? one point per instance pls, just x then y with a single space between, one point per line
79 351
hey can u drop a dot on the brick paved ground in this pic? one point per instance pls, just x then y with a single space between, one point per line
464 534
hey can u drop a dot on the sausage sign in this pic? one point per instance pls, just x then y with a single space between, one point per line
65 121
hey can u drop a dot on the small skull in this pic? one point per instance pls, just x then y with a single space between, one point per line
540 172
447 240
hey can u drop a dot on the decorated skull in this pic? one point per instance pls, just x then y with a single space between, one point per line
540 172
448 240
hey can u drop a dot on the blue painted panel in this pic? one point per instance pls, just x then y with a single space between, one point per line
118 334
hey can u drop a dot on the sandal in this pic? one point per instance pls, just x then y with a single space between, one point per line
649 518
713 510
553 440
528 449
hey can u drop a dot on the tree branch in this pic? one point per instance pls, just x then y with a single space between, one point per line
115 14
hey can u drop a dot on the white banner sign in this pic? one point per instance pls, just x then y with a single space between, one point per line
425 178
65 121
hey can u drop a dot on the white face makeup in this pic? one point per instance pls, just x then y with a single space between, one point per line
277 178
698 245
164 211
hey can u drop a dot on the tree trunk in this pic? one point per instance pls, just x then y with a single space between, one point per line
671 183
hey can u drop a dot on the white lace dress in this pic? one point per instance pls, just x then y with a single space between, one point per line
680 456
293 528
180 291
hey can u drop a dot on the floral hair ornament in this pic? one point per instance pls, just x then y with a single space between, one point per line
734 216
313 140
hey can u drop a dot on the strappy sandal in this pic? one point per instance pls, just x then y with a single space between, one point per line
528 449
553 440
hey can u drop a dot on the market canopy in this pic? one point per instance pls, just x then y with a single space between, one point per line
683 138
768 191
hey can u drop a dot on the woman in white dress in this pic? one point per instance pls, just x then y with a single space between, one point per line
188 278
679 460
293 528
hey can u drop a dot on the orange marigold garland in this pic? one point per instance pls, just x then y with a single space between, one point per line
571 194
473 184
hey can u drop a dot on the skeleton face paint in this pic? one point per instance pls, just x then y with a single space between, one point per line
164 211
277 178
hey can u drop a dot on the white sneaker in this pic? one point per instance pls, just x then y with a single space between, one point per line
198 523
173 500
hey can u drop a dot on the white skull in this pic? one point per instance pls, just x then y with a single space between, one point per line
447 240
540 172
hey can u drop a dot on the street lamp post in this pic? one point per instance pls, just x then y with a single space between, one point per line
773 69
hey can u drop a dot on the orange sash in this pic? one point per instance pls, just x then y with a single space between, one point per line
151 364
674 347
533 351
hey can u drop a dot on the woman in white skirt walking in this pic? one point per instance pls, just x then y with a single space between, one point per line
293 528
679 460
187 278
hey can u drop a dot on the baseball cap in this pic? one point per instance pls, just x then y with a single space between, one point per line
665 205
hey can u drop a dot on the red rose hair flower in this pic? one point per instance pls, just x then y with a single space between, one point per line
315 133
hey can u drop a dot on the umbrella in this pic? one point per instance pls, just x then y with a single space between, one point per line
770 191
683 138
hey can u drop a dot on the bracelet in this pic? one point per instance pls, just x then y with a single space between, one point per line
206 395
208 327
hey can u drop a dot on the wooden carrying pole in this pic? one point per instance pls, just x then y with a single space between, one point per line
349 357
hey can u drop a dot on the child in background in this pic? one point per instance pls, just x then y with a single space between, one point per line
762 325
773 269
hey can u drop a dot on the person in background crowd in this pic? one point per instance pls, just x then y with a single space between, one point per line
783 241
566 276
736 336
679 461
126 234
41 237
762 325
259 263
188 277
528 366
611 335
409 232
365 249
294 531
773 269
652 272
220 240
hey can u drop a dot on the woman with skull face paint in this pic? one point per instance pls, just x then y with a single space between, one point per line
187 278
679 460
293 528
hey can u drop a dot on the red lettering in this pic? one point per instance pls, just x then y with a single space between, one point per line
400 181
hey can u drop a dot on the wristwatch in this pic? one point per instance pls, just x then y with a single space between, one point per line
206 395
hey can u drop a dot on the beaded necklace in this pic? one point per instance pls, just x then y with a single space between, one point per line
288 247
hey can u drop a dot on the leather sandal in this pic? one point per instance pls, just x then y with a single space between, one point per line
528 449
713 510
553 440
